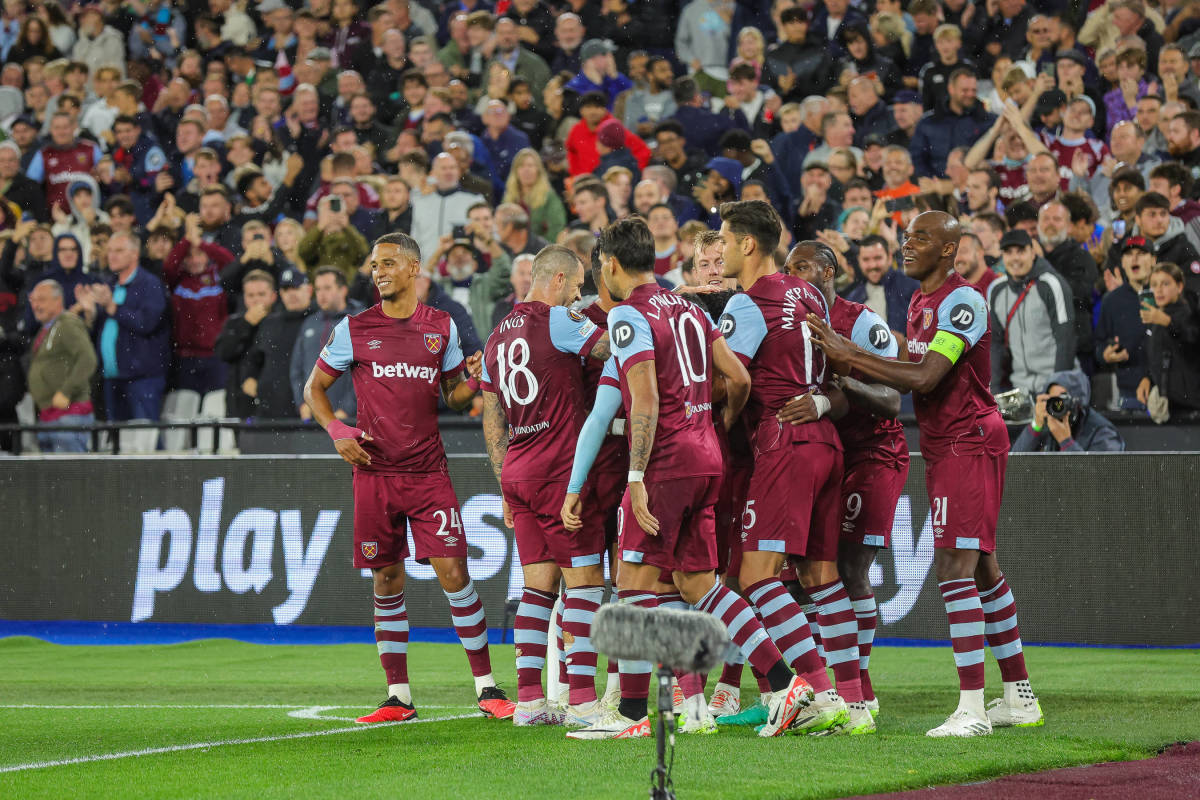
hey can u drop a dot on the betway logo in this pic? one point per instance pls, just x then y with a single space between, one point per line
402 369
253 526
918 348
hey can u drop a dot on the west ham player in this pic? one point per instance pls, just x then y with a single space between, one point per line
664 348
606 481
965 445
795 492
874 450
399 353
533 407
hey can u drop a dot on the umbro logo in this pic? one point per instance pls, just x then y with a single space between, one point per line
374 344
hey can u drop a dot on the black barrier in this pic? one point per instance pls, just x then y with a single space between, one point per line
1098 549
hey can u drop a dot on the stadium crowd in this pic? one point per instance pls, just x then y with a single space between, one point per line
192 187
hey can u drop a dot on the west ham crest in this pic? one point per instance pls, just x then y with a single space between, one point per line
433 343
927 317
370 549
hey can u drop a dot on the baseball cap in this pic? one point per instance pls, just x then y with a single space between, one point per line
595 47
1083 98
292 278
907 96
1072 55
1015 238
267 6
1139 243
319 54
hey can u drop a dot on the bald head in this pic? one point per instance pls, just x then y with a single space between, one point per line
557 275
930 244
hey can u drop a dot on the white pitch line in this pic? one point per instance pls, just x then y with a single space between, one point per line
179 748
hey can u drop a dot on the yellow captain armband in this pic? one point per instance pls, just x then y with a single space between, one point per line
948 345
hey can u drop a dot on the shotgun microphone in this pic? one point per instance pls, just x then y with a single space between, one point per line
688 641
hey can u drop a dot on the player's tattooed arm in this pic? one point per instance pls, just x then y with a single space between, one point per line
456 390
643 413
602 349
843 355
495 431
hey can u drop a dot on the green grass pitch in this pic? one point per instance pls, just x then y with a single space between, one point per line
214 714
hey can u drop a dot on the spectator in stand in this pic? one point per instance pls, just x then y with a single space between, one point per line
582 154
1122 102
522 280
62 362
237 334
702 39
436 213
396 211
1120 333
57 164
883 289
1154 221
598 73
648 105
268 359
334 241
1032 319
1172 382
665 230
512 230
1076 267
17 187
502 140
130 324
960 123
970 263
1082 430
947 42
797 65
458 275
529 187
704 127
610 147
331 292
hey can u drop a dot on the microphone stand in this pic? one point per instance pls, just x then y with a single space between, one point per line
660 779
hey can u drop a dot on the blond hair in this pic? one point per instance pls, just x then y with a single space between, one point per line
537 194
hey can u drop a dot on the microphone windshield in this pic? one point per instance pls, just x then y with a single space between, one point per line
689 641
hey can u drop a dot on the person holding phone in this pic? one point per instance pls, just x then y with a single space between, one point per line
1172 382
1120 334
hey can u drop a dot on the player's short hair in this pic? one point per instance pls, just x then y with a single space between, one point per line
259 275
753 218
704 240
823 250
338 276
553 259
408 245
630 242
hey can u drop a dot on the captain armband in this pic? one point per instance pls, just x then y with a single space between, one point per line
948 345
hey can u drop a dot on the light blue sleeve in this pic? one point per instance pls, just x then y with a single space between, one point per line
452 356
629 332
338 352
743 325
97 154
872 334
570 331
595 428
964 312
37 168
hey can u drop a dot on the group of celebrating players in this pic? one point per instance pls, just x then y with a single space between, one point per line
734 449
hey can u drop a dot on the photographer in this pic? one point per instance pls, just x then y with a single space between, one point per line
1064 422
333 241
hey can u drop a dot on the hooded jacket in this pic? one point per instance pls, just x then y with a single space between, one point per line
1039 339
1091 432
75 224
